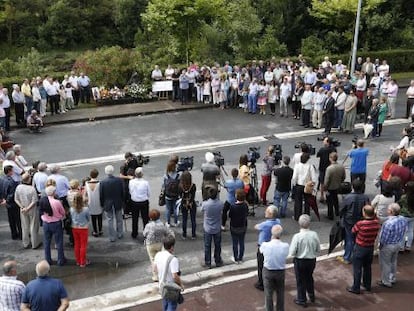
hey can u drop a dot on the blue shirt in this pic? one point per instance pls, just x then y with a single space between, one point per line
265 230
80 220
393 230
231 186
184 82
44 294
359 160
62 185
212 210
275 253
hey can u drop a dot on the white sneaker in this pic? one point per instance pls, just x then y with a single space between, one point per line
234 260
167 225
177 223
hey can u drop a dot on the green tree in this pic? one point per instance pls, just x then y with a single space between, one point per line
30 65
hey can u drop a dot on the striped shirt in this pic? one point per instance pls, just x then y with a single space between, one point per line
11 291
393 230
366 231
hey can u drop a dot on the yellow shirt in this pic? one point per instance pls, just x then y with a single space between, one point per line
26 90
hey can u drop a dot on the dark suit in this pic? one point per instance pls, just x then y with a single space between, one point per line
8 188
329 114
111 195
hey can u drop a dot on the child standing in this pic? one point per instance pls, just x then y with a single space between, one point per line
62 101
80 223
382 114
207 90
262 99
69 98
273 96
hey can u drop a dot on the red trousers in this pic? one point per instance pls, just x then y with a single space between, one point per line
80 237
266 180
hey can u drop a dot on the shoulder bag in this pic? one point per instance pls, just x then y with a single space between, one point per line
170 290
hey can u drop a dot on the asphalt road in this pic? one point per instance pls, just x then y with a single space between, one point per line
125 263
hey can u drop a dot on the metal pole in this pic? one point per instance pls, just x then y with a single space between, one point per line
355 45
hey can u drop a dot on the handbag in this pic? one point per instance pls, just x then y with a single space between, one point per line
161 199
170 290
309 184
345 187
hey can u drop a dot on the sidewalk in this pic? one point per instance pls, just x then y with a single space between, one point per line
331 279
116 111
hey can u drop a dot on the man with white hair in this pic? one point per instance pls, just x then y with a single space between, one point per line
44 292
304 248
11 161
11 289
19 102
111 196
34 122
20 160
392 233
40 178
275 253
211 172
5 104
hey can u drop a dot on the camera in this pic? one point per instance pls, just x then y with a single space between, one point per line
218 159
253 154
142 160
333 141
310 149
277 153
185 164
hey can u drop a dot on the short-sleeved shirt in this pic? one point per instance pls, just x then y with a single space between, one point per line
265 230
359 160
160 260
231 186
44 294
11 291
275 253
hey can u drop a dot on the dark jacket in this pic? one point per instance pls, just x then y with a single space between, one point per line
238 217
351 211
8 189
111 193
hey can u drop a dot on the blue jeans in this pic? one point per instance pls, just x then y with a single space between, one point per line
409 234
281 206
217 248
110 215
170 210
192 212
252 100
54 229
168 305
339 115
361 265
238 245
349 242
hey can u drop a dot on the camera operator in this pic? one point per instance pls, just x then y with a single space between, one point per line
211 175
127 172
267 173
323 155
359 157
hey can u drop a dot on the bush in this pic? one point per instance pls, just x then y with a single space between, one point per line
8 68
29 65
312 46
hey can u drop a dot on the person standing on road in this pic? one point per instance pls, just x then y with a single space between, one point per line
324 162
13 212
334 175
211 173
265 234
168 269
184 86
238 225
304 248
170 187
359 156
44 293
391 236
26 199
274 253
328 113
111 196
11 289
187 192
5 104
283 176
366 231
91 196
350 214
267 174
85 88
410 101
80 224
140 193
231 185
212 209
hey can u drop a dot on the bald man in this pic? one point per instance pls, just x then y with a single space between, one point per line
44 293
11 289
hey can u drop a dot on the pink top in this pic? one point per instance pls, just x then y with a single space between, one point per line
58 211
392 90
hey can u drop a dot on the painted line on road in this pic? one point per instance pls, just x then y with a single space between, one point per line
203 146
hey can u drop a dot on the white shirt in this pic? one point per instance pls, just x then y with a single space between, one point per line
36 94
4 101
302 172
39 181
285 90
306 100
168 73
74 81
160 260
383 69
156 74
361 84
139 189
318 100
268 76
17 171
340 101
275 253
410 92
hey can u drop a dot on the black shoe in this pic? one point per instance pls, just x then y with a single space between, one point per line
259 286
300 303
206 265
219 264
312 299
367 289
351 290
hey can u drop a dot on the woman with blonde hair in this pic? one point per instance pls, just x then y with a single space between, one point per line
80 223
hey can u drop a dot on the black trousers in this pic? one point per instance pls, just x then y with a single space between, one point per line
361 176
19 111
13 214
225 213
85 94
329 121
306 117
332 202
76 96
54 104
274 281
300 196
260 261
97 223
138 208
7 120
361 264
304 278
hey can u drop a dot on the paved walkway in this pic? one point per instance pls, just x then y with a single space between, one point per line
331 279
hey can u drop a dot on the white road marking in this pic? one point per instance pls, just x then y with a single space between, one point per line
204 146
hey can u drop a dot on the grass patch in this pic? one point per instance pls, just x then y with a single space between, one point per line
403 76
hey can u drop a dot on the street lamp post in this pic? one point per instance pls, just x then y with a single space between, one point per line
356 33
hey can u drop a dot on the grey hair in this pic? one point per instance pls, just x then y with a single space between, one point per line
304 221
17 148
42 166
109 170
277 231
50 190
10 155
55 169
42 268
395 208
9 266
273 210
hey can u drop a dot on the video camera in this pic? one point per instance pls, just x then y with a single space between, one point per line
142 160
218 159
311 149
354 141
185 164
334 142
253 154
277 154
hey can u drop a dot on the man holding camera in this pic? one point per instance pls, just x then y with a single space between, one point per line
323 155
359 157
211 173
127 172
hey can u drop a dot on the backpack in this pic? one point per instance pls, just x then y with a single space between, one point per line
171 187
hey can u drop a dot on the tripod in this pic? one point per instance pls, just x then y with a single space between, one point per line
253 192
